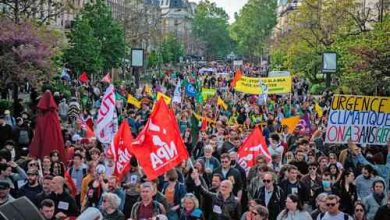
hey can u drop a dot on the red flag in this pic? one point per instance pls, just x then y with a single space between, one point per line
253 146
89 133
120 149
69 182
237 76
84 77
107 78
203 126
159 146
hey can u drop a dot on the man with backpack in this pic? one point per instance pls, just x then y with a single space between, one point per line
333 213
77 172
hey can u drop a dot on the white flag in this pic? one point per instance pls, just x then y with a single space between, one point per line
107 120
177 93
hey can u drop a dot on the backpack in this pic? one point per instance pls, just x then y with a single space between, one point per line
346 217
24 138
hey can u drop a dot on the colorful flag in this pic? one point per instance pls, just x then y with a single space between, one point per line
291 123
159 146
318 109
177 93
107 123
237 77
253 146
203 127
84 77
107 78
120 150
166 98
220 102
191 90
148 90
132 100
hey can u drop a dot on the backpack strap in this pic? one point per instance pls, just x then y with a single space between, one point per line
346 217
322 215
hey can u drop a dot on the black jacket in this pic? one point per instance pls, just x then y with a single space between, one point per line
276 203
302 191
228 209
383 213
65 203
234 176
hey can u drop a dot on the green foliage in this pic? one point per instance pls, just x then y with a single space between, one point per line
171 49
154 59
5 104
210 26
254 25
96 40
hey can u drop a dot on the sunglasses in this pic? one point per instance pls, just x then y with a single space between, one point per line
331 204
31 174
32 164
266 181
312 168
224 161
359 210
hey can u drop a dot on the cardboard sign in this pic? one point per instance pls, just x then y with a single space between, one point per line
362 119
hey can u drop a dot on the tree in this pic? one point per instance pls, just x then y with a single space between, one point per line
96 40
210 25
313 28
253 26
171 49
26 50
41 11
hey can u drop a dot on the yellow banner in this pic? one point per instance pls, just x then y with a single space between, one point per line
167 99
276 85
361 103
206 93
132 100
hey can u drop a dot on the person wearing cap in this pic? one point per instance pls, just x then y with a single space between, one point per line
5 197
32 188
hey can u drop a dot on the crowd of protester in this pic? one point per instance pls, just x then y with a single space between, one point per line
306 179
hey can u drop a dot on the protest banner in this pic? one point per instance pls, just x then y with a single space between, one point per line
206 93
276 85
361 119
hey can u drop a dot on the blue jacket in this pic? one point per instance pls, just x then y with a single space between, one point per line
382 169
372 205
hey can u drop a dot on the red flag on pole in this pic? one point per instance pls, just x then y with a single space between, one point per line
159 146
120 150
84 77
69 182
203 126
107 78
253 146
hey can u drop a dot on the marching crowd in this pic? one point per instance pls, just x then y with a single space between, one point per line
302 178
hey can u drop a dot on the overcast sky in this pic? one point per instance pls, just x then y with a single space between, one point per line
230 6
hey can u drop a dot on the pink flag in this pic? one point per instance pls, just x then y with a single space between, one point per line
107 78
